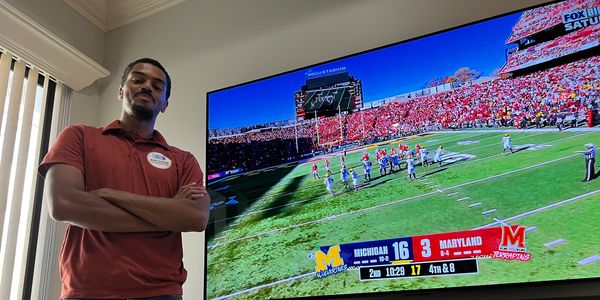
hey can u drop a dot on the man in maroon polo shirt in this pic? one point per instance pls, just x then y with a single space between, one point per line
127 195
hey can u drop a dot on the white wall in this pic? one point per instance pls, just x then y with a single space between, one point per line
62 20
70 26
206 45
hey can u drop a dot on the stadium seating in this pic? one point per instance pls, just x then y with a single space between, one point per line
537 99
535 20
550 50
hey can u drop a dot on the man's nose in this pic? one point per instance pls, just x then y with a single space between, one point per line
147 86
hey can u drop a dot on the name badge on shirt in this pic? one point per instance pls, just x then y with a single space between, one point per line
158 160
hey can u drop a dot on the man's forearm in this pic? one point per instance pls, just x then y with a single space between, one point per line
93 212
171 214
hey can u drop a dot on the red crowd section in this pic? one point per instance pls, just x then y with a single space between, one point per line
561 46
535 20
538 99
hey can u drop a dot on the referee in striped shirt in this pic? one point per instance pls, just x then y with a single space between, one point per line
590 160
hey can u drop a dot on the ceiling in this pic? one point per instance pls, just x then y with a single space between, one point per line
111 14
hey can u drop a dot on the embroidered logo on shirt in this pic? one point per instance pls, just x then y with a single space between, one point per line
158 160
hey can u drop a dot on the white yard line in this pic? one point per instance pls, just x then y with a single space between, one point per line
394 202
577 129
323 196
547 207
585 261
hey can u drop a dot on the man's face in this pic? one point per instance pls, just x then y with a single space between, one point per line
144 92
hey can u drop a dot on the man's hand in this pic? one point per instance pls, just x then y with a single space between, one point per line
188 211
191 192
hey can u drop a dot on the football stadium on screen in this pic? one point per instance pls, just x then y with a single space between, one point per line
463 158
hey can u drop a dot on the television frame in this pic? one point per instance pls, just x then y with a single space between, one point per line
587 288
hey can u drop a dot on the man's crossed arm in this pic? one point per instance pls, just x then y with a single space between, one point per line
117 211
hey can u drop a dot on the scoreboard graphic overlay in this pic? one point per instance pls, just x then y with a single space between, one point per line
441 254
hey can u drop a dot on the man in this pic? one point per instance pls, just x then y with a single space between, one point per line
506 144
367 169
382 163
327 167
437 158
590 160
365 156
329 184
344 175
315 171
410 168
395 160
424 159
127 195
355 179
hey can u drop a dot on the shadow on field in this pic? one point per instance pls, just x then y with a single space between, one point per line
424 175
283 199
520 149
372 185
245 190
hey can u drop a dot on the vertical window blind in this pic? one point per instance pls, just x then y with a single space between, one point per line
24 91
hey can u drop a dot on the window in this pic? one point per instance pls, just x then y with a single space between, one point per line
24 93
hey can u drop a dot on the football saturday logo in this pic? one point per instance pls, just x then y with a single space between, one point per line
158 160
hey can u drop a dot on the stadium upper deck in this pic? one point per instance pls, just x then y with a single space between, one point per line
537 99
541 18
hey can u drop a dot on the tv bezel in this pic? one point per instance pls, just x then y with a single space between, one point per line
582 288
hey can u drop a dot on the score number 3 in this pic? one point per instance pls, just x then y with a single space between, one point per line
426 245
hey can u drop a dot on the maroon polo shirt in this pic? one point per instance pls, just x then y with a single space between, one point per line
96 264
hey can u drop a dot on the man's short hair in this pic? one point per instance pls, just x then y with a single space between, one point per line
147 61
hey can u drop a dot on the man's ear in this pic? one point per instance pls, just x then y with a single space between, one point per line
120 94
164 108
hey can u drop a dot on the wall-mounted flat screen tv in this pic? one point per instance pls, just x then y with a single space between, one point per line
463 158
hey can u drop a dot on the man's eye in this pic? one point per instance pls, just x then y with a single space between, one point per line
135 80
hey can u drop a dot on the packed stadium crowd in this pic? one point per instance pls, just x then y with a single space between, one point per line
558 47
540 99
535 20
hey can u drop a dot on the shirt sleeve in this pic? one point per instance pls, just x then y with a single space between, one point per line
191 171
67 149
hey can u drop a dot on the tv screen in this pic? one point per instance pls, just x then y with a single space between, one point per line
464 158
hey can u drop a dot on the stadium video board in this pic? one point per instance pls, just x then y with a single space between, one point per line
470 167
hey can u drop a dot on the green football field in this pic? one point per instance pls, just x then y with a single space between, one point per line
285 214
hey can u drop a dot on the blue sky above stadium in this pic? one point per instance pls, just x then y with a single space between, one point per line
384 73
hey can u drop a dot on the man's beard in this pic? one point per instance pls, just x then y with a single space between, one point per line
141 113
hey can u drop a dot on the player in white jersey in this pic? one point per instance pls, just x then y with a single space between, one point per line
424 153
410 167
367 169
329 184
506 143
437 158
355 179
344 175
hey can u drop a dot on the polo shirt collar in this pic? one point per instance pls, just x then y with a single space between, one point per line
115 127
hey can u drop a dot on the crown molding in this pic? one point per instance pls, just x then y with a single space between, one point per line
94 11
111 14
26 39
120 13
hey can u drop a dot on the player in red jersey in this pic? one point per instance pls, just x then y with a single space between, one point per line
327 167
315 171
365 156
